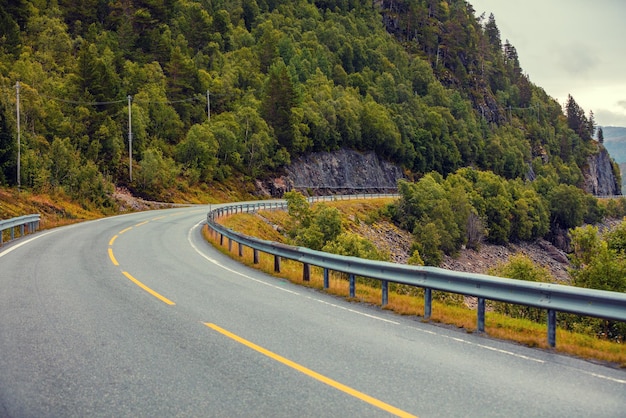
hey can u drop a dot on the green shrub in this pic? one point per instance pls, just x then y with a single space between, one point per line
520 267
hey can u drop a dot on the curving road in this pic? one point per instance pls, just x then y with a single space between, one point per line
136 315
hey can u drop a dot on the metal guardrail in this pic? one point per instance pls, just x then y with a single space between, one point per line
30 222
552 297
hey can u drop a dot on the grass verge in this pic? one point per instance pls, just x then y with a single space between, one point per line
498 326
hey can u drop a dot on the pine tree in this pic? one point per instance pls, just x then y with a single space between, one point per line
591 124
576 119
8 150
280 97
493 33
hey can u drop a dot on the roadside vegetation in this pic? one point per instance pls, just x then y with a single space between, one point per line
584 337
217 90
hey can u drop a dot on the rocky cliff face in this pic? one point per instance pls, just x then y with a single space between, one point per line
600 178
343 171
350 172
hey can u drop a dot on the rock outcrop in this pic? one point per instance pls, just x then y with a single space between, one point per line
343 171
600 178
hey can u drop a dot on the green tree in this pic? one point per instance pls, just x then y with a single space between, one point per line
156 173
328 221
195 23
280 98
378 132
182 82
198 152
64 161
260 152
350 244
606 270
9 30
598 263
299 210
567 208
98 79
520 267
576 119
250 12
8 150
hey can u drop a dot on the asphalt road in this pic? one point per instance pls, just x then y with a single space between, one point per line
136 315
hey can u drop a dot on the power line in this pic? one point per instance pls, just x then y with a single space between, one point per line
190 99
81 102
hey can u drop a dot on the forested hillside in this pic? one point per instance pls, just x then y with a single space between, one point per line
237 88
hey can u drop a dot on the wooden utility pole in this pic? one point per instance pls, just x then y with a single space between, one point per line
130 140
19 145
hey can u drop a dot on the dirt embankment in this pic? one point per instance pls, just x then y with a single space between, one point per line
397 243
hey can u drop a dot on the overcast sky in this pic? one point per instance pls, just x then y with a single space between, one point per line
575 47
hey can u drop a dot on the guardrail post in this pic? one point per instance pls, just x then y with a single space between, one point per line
221 240
22 230
277 263
306 272
385 291
480 323
428 303
551 328
255 256
12 233
326 285
240 249
230 244
352 285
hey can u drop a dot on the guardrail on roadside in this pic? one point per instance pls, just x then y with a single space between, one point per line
552 297
27 223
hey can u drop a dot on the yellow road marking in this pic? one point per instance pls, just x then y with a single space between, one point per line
142 223
126 230
157 218
330 382
112 240
147 289
112 257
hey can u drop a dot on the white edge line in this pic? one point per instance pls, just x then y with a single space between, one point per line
18 245
601 376
510 353
273 286
212 260
354 311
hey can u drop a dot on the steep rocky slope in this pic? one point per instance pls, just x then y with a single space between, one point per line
397 243
344 171
600 176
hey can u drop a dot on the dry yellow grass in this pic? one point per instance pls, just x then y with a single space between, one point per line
251 223
54 210
496 325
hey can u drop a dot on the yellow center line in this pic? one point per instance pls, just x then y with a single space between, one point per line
147 289
128 275
112 257
112 240
157 218
126 230
330 382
